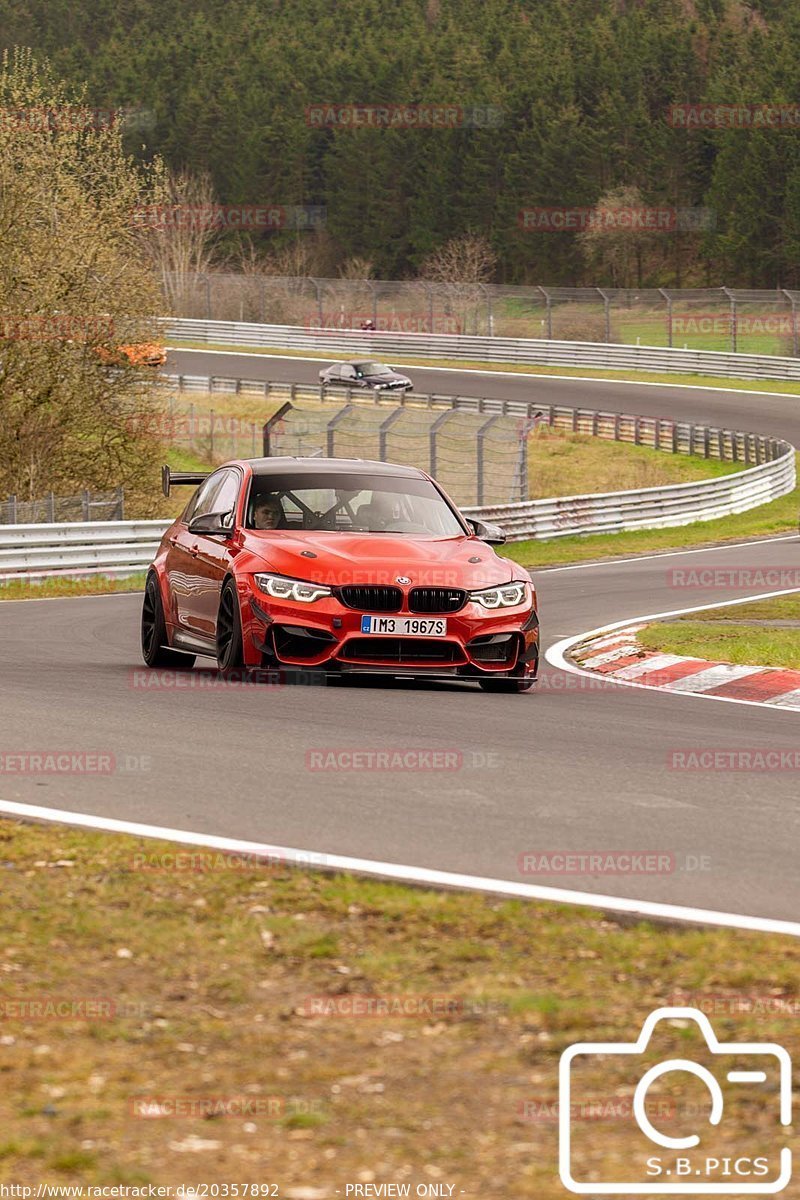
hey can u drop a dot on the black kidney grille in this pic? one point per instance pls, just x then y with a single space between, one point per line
371 599
436 600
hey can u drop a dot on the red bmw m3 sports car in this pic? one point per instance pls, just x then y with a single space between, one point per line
339 566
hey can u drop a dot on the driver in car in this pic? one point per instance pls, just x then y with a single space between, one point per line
267 512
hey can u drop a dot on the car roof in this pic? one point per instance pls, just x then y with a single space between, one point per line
287 465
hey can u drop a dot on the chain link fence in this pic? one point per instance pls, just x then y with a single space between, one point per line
477 458
737 319
49 509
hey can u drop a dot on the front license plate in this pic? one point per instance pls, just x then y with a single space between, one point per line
405 626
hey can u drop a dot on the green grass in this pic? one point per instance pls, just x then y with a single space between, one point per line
715 634
95 585
207 977
780 608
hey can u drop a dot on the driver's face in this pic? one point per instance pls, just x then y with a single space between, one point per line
266 516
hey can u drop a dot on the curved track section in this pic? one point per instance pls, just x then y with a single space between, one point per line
565 769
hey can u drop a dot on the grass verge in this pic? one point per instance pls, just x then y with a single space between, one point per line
131 981
724 635
94 585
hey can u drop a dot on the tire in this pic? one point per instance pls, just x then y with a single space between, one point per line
155 650
514 684
230 655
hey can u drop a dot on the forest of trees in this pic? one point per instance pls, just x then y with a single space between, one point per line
576 91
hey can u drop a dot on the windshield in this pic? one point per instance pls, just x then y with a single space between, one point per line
350 503
372 368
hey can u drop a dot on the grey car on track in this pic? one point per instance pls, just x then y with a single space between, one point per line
363 373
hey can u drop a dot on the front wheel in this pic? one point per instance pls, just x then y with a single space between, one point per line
230 655
155 651
517 682
513 686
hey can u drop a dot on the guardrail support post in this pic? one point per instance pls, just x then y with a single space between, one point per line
331 429
480 438
793 302
549 310
607 312
668 299
433 433
270 425
734 331
383 432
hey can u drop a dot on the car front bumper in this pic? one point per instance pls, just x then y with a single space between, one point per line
328 635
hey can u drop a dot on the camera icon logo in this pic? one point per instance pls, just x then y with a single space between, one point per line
684 1162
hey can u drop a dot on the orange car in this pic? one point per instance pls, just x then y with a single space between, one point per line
140 354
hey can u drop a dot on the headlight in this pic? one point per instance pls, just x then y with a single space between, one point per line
508 595
291 589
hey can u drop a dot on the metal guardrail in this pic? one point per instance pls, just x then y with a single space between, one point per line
113 548
524 351
120 549
647 508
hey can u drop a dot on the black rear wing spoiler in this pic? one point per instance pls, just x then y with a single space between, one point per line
170 479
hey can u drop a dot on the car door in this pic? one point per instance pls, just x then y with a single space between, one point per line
212 558
196 563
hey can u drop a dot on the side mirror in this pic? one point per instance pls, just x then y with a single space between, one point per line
213 524
492 534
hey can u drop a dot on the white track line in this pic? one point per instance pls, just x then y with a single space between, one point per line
420 365
419 875
612 562
557 655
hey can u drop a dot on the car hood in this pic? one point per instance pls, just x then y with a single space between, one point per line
388 377
374 558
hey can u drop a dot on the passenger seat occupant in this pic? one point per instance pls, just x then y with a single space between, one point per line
267 512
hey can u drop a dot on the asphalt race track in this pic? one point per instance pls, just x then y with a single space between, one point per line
569 767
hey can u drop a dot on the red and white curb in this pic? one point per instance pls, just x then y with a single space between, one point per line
620 656
615 653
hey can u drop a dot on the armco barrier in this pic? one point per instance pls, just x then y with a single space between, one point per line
123 548
533 352
648 508
113 548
